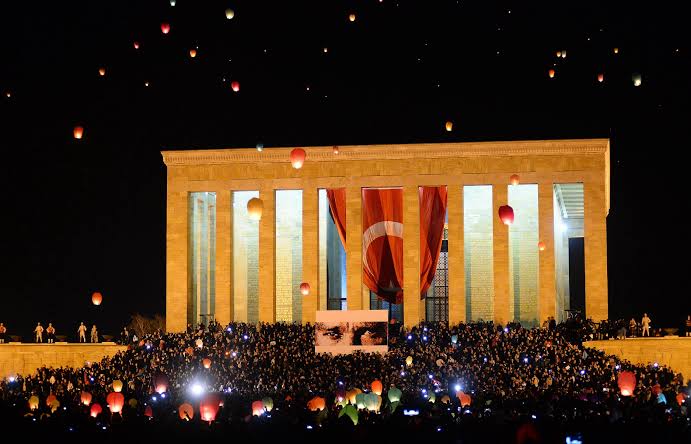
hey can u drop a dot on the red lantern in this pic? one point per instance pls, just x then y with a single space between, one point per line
186 412
78 132
515 179
600 77
116 401
85 398
464 399
257 408
305 288
208 407
297 158
136 45
235 85
680 398
541 246
95 409
149 412
101 71
506 214
96 298
50 399
316 404
627 383
551 73
161 383
165 28
656 389
193 53
377 387
206 362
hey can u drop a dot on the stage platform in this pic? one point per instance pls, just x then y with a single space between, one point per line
672 351
25 358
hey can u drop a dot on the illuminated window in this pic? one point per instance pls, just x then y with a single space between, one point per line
245 260
478 236
202 258
288 255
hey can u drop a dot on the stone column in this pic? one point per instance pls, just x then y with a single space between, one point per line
595 240
454 204
310 252
547 302
224 248
413 311
176 260
354 248
267 255
500 255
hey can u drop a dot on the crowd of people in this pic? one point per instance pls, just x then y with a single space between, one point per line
509 373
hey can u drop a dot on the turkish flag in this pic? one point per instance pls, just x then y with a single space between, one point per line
382 242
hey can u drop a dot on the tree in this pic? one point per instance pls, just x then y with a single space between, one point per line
142 325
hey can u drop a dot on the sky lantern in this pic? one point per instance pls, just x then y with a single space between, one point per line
95 409
551 73
335 149
115 402
255 208
680 398
149 412
257 408
50 399
101 71
506 214
161 383
409 361
33 402
305 289
230 13
97 297
172 2
601 77
260 147
268 403
189 351
637 79
515 179
351 394
541 246
165 28
235 85
449 125
78 132
316 404
206 362
627 383
464 399
351 17
117 386
377 387
558 54
563 53
186 412
193 52
616 50
208 407
297 158
394 394
85 398
136 45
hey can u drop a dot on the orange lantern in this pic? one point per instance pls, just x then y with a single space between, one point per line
627 383
616 50
206 362
33 402
50 399
680 398
95 410
186 412
101 71
351 394
117 386
116 401
558 54
656 389
193 53
297 158
78 132
600 77
377 387
136 45
351 17
85 398
449 125
257 408
541 246
149 412
235 85
551 73
97 297
255 208
515 179
335 149
190 351
464 399
316 404
161 383
305 288
165 28
208 407
506 214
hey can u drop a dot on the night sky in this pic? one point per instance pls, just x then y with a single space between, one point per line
89 215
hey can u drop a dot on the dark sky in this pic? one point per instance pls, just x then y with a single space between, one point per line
86 215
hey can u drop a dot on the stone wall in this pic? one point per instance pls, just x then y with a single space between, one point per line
24 359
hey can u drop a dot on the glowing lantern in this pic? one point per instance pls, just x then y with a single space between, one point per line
101 71
78 134
394 394
193 53
600 77
85 398
297 158
186 412
117 386
409 361
149 412
506 214
627 383
449 125
206 362
189 350
54 405
351 17
616 50
165 28
541 246
115 402
172 2
563 53
95 410
335 150
445 399
255 208
637 79
351 395
161 383
316 404
656 389
558 54
350 412
230 13
136 45
305 289
377 387
33 402
372 402
680 398
208 407
464 399
551 73
260 147
257 408
515 179
268 403
50 399
235 85
360 400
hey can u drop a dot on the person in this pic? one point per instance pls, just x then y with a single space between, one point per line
125 336
50 332
632 328
82 332
552 323
645 322
688 326
39 332
94 334
3 332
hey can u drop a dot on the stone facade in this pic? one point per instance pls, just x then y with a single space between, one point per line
408 166
24 359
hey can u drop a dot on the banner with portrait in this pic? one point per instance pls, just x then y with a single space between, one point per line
346 331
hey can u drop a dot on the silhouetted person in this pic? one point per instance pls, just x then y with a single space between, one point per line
39 332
